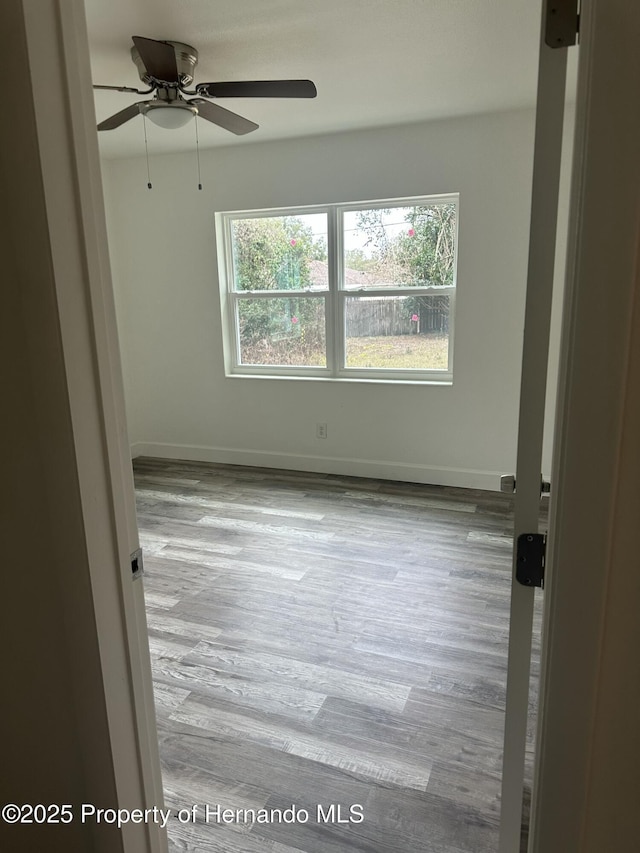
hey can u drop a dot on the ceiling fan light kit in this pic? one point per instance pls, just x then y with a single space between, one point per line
168 67
170 115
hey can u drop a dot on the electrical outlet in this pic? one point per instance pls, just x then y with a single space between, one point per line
321 430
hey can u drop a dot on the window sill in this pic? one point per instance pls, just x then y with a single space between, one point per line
341 380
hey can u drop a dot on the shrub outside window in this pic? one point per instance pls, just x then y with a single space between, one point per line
357 291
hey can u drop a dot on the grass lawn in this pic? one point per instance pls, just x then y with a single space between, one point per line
427 352
421 352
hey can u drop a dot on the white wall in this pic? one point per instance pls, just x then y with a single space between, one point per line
180 403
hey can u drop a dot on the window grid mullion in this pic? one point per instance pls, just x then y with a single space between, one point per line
338 314
280 294
399 291
334 344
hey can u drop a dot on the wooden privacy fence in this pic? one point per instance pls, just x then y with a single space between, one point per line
392 315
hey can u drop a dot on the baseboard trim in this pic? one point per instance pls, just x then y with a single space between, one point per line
438 476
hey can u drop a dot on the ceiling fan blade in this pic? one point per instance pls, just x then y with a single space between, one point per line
119 118
123 89
259 89
224 118
158 57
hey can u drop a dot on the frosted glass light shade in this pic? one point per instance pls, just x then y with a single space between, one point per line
170 118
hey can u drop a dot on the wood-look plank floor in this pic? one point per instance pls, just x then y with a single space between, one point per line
323 640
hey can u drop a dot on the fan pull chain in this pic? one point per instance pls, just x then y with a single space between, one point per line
198 153
146 148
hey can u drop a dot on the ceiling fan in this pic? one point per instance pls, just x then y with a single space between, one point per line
167 67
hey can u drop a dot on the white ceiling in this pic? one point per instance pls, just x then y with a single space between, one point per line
374 62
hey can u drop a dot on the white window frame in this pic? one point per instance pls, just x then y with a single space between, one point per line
334 297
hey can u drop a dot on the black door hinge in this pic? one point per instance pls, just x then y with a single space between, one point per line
137 569
561 23
531 551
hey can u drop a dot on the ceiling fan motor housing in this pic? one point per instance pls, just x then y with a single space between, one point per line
186 60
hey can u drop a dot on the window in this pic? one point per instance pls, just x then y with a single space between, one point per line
358 291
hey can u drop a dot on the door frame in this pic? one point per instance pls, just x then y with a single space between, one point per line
586 791
61 330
